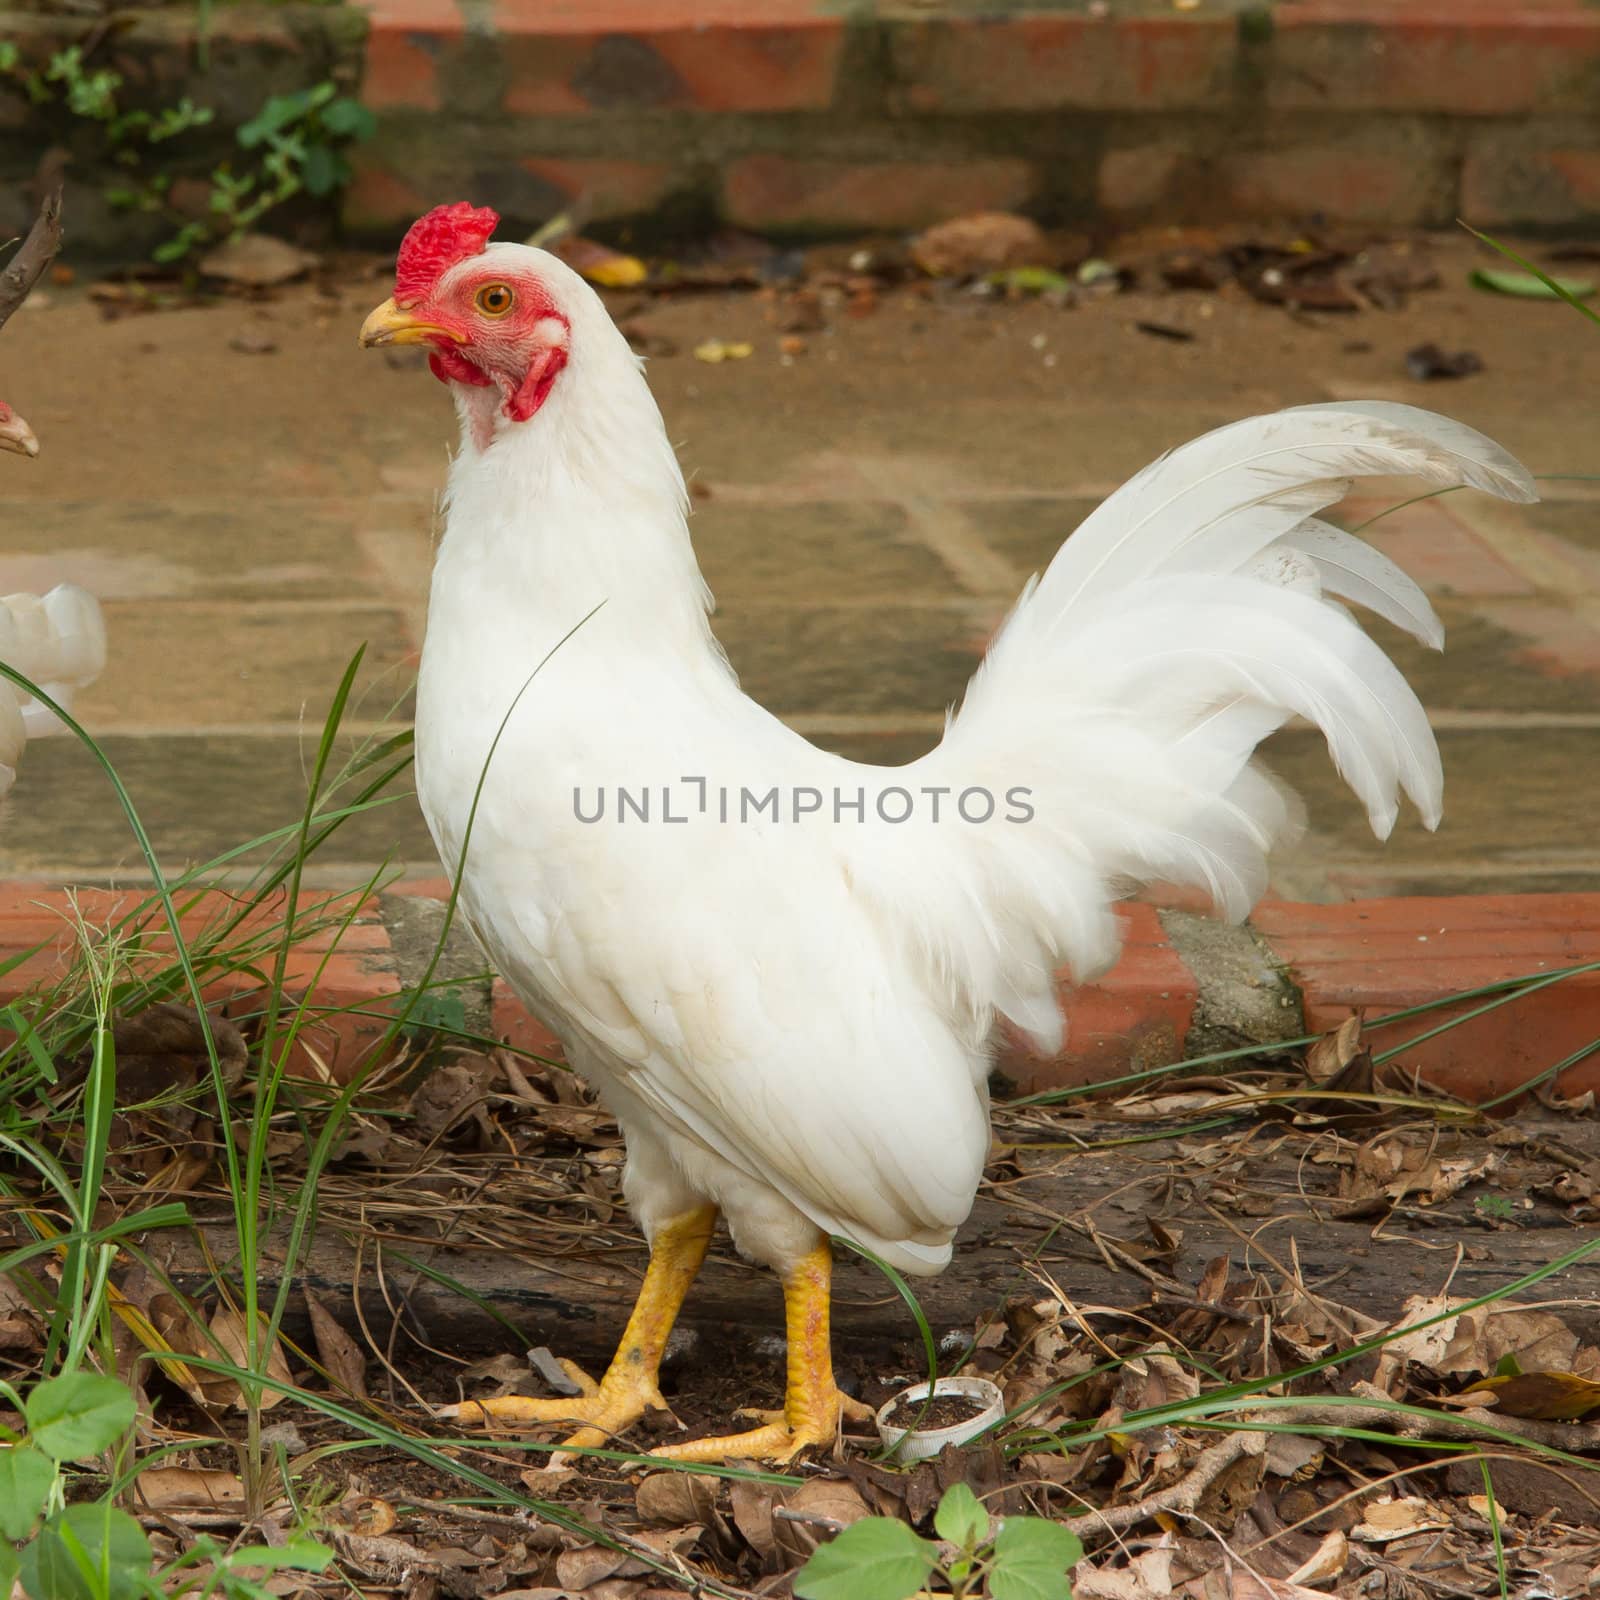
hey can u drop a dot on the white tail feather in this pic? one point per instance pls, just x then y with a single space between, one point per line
1195 612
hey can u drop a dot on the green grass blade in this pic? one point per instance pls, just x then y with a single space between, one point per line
1557 288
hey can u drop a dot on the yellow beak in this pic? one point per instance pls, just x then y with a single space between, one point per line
390 325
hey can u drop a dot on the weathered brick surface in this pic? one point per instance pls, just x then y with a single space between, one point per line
1490 60
346 966
379 199
783 193
795 114
1519 179
602 186
619 58
1142 180
1360 179
1056 63
1377 956
1372 956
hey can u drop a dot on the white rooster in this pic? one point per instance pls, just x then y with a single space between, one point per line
787 1004
59 641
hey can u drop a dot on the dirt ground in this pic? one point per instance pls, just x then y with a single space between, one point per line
1211 1235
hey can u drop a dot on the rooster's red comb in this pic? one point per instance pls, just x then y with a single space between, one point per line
434 243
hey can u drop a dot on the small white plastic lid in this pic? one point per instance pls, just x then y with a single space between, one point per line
919 1443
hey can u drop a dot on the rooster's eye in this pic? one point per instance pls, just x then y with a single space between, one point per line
494 299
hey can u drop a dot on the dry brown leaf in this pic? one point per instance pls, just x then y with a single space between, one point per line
1288 1455
1334 1051
388 1560
751 1504
1099 1583
231 1336
194 1488
1388 1519
670 1499
1476 1341
369 1516
340 1355
1245 1585
591 1564
1154 1379
1542 1396
503 1369
1324 1563
599 263
827 1504
987 241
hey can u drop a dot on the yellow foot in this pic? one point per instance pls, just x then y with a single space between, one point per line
604 1408
779 1439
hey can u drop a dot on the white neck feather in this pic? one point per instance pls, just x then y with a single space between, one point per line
581 506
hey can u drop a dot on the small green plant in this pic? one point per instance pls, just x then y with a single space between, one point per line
878 1558
294 144
92 1549
1498 1207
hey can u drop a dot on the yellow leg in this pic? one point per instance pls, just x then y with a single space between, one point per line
812 1402
629 1387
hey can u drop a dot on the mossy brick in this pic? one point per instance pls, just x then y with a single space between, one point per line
1360 176
562 61
1058 63
1532 178
1449 57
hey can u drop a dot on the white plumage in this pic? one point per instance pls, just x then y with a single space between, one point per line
791 1019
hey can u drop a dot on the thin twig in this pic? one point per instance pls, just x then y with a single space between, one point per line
1182 1497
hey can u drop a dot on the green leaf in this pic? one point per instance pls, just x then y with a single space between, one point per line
1572 300
961 1518
320 170
1030 280
78 1414
279 111
874 1559
298 1555
1530 285
8 1566
1031 1558
87 1552
349 119
25 1478
180 244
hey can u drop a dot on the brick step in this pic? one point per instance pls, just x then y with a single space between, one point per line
1184 984
808 116
815 117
